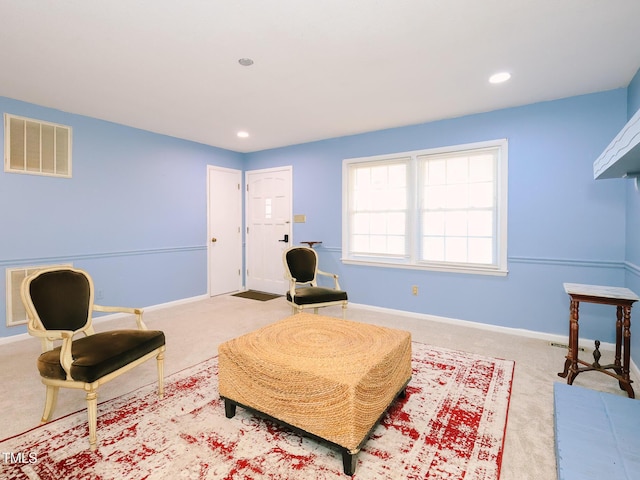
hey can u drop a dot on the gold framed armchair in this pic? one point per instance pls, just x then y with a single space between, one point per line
59 305
301 270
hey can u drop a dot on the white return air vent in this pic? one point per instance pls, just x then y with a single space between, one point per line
16 314
36 147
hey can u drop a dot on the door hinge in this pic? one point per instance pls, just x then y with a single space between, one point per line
247 230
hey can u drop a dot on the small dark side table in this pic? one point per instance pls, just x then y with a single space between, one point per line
620 297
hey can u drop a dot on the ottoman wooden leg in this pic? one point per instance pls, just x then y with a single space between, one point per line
229 408
349 462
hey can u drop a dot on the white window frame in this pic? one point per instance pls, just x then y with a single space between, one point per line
413 228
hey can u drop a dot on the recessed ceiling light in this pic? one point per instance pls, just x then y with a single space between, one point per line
499 77
243 134
245 62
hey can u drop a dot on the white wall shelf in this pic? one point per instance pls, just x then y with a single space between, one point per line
621 159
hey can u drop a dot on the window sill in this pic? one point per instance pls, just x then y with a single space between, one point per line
471 270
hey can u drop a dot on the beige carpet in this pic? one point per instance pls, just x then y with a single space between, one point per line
194 331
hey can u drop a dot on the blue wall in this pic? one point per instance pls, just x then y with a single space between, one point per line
563 226
133 215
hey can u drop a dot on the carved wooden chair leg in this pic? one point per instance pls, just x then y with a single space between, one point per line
50 402
160 361
92 413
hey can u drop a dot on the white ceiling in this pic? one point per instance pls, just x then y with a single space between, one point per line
323 68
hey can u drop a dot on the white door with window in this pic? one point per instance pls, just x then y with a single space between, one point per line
224 226
268 234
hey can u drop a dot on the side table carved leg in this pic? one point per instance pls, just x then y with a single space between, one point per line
625 384
617 360
597 355
571 363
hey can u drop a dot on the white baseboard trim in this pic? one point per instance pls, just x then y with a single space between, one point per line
548 337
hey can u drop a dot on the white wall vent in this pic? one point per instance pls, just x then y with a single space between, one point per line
16 314
36 147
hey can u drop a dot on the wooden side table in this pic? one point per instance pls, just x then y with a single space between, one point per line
622 299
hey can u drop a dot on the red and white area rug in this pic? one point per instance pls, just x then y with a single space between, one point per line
450 426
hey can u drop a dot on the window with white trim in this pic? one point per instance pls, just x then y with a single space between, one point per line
438 209
36 147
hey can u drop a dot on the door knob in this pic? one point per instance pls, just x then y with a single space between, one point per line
285 239
214 240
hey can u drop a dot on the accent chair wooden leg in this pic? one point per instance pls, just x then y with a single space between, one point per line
92 413
50 402
160 362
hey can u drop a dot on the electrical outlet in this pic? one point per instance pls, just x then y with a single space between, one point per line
414 289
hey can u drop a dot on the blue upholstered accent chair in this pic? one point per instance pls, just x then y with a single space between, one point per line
301 270
59 305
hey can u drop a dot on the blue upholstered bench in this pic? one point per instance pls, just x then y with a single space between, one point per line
597 434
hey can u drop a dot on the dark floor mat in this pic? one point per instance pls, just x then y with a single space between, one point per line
255 295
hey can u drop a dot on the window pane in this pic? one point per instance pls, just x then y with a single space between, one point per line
398 176
481 195
379 208
480 250
435 197
396 245
433 223
433 249
436 172
457 170
378 244
455 249
360 223
397 224
480 223
360 243
481 168
456 196
378 224
456 223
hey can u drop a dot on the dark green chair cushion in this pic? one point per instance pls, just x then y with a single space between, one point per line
311 295
100 354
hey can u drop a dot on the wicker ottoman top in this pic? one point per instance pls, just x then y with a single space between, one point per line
330 377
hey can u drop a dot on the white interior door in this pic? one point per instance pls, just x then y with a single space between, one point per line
224 225
268 219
